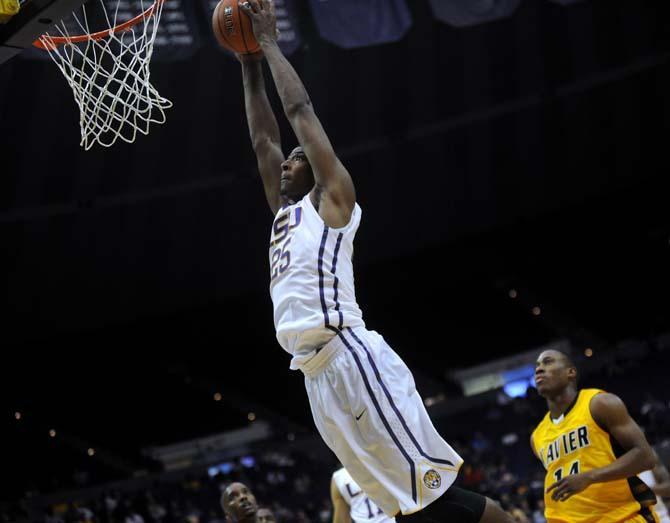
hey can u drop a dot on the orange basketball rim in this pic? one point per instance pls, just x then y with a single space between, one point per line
109 74
49 43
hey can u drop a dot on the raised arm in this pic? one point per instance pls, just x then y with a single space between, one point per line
334 193
611 414
263 128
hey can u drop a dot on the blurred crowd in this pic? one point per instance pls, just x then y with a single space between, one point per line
493 440
292 486
296 489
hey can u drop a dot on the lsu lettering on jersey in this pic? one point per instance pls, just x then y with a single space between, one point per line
574 444
363 509
311 279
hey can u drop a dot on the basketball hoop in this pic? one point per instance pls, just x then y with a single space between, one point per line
109 74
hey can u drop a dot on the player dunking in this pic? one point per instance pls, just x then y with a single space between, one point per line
592 450
363 397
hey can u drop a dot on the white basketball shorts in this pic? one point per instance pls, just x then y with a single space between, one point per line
367 410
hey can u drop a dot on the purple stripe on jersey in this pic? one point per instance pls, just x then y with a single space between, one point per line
393 405
337 303
324 238
322 294
381 413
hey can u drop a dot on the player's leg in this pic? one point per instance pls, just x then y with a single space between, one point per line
457 504
397 396
332 401
367 410
494 514
401 446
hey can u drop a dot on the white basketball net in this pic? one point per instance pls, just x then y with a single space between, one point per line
110 77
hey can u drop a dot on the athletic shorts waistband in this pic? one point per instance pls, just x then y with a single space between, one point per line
315 366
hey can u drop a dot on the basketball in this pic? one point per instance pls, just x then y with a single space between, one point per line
233 29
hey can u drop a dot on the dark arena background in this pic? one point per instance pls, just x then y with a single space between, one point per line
511 161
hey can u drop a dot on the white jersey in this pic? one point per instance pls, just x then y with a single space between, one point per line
362 508
661 510
311 279
363 397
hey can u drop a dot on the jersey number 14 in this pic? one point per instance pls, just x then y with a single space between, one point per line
574 469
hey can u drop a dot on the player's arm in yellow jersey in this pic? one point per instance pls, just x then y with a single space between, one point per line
341 509
611 414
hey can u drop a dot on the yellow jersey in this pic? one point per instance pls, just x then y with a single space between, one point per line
575 443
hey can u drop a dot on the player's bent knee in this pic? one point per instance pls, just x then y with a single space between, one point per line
456 504
493 513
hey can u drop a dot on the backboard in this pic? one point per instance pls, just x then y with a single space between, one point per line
34 19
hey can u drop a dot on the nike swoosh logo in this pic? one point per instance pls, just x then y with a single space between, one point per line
359 416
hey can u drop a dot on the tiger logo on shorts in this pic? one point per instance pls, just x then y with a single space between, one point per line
432 479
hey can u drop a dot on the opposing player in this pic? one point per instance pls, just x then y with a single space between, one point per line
592 451
363 397
351 504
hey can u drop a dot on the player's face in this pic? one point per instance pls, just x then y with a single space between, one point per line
552 373
265 515
296 175
239 502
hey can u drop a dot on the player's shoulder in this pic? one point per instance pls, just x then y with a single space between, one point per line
603 402
340 474
608 409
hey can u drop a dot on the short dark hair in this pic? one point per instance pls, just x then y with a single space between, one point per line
569 362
